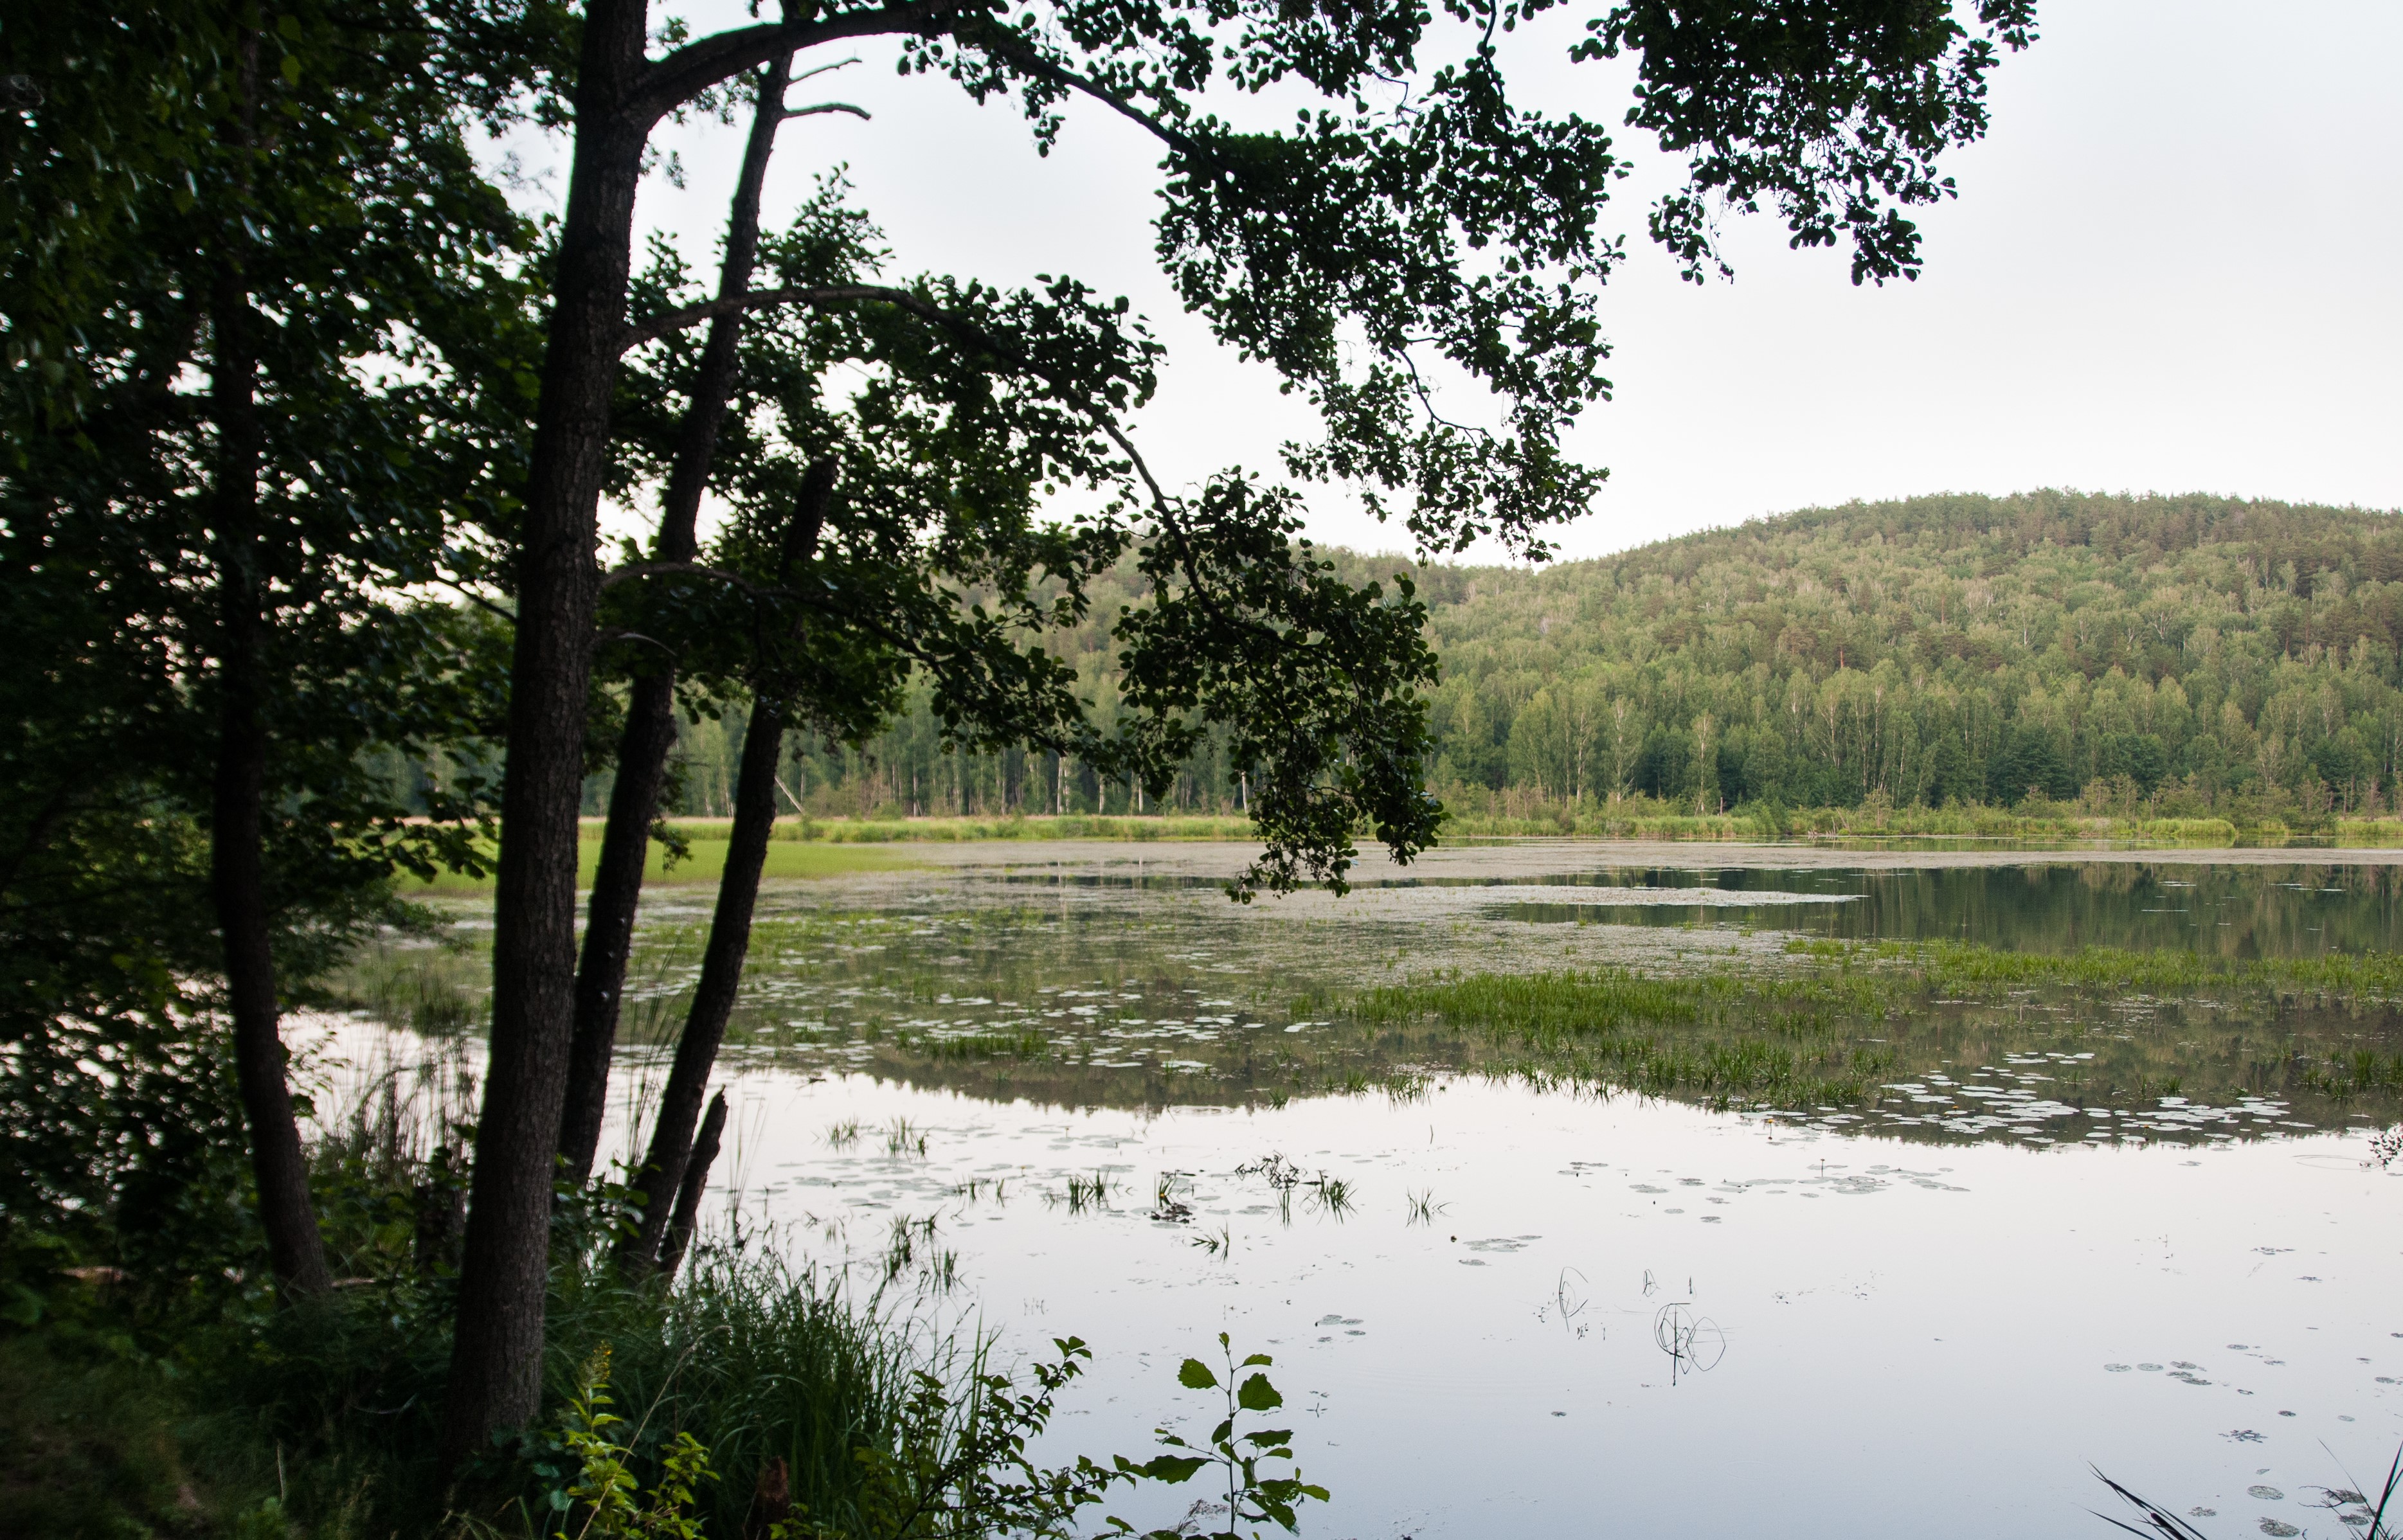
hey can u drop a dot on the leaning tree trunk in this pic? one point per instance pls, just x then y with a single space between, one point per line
237 835
712 998
689 1190
649 731
730 925
496 1345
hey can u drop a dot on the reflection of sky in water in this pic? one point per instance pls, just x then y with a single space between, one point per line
1553 1313
1865 1328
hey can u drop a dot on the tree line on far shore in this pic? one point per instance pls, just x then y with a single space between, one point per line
2180 653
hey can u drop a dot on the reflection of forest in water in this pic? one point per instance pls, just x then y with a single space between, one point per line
1118 996
2236 912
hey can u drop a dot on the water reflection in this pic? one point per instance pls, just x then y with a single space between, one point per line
2224 911
2060 1224
1694 1343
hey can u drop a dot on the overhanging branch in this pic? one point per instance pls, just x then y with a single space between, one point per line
1014 50
671 81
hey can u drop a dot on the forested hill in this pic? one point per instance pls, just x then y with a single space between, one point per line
1935 649
1938 648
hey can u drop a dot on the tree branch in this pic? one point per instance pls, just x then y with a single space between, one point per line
652 569
603 638
729 304
477 599
860 113
1163 506
671 81
1009 48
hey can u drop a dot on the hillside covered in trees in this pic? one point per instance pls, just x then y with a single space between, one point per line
2177 651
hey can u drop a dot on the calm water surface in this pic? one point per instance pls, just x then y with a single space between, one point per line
1552 1312
2240 912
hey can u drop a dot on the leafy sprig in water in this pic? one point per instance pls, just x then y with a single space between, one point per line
1252 1497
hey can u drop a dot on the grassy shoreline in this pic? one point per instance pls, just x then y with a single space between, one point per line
1623 821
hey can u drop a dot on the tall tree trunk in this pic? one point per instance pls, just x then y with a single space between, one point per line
729 924
237 853
496 1347
649 732
237 860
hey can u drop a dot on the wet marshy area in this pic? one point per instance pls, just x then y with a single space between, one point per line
1851 1198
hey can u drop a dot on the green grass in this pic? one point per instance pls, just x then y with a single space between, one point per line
787 859
945 830
1825 1035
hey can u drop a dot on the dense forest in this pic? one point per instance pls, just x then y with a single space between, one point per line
2175 651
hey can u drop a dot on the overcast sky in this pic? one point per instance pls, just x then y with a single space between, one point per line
2173 266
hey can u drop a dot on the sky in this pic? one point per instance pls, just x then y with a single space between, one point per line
2173 266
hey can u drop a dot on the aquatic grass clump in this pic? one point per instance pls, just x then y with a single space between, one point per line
1826 1037
1586 1026
1168 1191
2364 1516
908 1237
1088 1192
2359 1073
1552 1008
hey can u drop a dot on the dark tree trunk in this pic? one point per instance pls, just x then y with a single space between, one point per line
643 748
695 1183
650 717
722 976
237 857
497 1348
729 924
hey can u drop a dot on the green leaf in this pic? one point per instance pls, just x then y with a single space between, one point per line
1258 1360
291 69
1172 1468
1196 1375
1258 1395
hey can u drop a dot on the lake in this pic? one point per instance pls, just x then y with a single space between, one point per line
2045 1226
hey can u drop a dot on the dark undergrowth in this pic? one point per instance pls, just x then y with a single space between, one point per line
157 1388
325 1418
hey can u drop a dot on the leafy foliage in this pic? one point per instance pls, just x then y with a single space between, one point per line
1252 1496
1364 252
